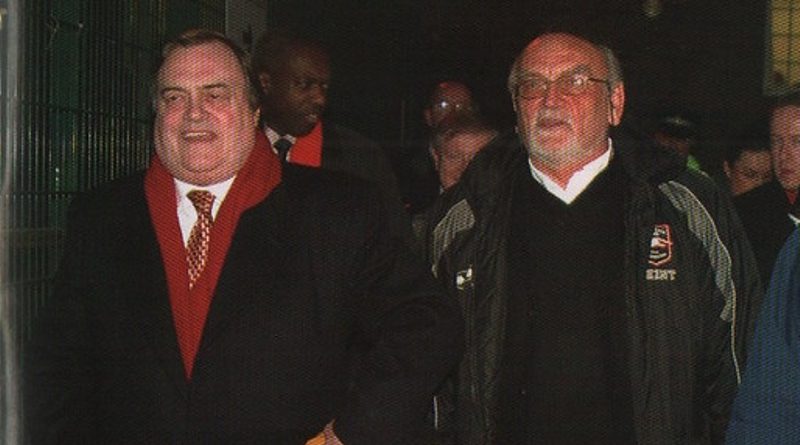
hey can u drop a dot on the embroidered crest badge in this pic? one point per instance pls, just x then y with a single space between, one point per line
661 245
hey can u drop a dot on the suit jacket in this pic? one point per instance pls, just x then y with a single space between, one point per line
317 315
764 214
344 150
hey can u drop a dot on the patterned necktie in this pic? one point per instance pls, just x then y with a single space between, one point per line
282 146
197 247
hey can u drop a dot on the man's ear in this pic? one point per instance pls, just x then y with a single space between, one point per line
428 117
726 167
264 81
617 104
435 156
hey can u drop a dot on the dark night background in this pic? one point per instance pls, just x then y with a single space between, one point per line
704 56
75 91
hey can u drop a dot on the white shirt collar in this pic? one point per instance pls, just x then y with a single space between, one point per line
273 137
219 190
579 181
187 214
795 220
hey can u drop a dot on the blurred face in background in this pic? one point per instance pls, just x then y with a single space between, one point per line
448 98
204 125
752 169
785 145
453 153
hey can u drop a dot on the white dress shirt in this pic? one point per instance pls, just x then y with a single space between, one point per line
187 214
273 137
579 181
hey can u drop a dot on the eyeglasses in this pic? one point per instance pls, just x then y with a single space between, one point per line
448 106
777 141
569 84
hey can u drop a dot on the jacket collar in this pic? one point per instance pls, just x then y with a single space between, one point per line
498 163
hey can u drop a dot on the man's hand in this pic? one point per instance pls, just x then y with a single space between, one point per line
330 436
326 437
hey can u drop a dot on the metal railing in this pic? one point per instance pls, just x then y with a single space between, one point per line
74 113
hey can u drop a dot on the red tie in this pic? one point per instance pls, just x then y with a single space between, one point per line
197 248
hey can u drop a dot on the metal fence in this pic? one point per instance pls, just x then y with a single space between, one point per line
84 118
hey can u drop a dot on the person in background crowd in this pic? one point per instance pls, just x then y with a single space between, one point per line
679 133
216 298
770 212
294 74
748 162
606 288
767 407
448 100
454 143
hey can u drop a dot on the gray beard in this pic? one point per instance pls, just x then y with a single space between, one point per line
566 155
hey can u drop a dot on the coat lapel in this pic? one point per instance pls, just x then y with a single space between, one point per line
147 293
250 269
332 152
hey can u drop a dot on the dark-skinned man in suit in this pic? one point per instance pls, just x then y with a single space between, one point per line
294 74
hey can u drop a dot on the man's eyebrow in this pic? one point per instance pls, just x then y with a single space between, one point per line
217 85
579 69
320 79
167 89
205 87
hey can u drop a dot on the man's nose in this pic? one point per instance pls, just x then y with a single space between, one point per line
778 151
196 109
551 94
319 95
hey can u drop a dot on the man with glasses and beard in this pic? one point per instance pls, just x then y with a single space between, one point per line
606 288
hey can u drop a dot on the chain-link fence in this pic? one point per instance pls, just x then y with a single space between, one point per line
75 112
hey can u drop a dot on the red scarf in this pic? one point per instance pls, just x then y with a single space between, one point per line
254 182
307 150
791 195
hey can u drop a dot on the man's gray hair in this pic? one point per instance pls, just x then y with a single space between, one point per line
613 66
461 123
611 59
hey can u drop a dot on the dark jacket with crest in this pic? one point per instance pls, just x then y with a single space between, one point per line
690 305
